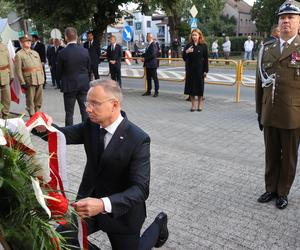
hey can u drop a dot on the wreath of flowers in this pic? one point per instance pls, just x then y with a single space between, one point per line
29 209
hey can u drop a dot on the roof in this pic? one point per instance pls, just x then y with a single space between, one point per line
3 23
241 5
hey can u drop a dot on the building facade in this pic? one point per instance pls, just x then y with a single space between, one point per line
240 10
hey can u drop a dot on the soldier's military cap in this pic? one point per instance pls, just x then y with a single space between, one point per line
25 37
289 7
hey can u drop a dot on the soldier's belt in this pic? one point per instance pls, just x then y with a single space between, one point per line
4 67
32 69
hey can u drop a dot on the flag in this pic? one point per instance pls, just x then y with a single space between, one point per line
15 88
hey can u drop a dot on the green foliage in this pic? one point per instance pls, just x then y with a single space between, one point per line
23 222
264 13
92 14
6 7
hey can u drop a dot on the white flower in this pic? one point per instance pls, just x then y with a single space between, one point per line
2 138
39 195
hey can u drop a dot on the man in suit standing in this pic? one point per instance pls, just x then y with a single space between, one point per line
151 64
116 179
278 105
73 70
94 51
52 59
114 57
41 50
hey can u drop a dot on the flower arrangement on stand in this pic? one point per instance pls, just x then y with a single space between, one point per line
29 208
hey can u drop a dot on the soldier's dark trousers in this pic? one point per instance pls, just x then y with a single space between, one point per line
281 154
69 102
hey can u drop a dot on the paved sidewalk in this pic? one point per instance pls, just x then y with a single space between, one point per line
207 172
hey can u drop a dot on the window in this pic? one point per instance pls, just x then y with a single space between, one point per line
148 24
130 23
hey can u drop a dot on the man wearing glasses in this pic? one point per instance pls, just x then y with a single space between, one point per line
115 183
278 105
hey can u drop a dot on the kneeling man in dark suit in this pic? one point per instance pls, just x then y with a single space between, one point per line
115 183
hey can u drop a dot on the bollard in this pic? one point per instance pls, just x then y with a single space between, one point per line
169 56
239 70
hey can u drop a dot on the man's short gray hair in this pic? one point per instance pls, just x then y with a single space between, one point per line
110 87
71 34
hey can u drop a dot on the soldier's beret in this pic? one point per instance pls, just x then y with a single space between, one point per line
25 37
289 7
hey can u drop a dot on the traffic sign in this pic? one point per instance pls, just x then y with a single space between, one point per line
194 11
193 23
127 34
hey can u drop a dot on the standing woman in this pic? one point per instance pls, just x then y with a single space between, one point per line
195 55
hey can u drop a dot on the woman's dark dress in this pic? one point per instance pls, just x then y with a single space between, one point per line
196 64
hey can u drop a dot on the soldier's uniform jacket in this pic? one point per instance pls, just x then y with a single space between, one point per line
29 67
284 111
5 71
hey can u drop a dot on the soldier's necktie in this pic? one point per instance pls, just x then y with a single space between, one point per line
103 132
285 45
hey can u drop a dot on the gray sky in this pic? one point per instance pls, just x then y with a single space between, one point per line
250 2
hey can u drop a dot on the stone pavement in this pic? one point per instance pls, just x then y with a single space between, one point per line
207 172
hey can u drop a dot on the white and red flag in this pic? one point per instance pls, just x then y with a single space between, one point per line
15 87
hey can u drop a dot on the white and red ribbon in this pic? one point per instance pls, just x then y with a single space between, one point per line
57 152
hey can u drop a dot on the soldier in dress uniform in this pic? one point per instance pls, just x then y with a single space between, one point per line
29 70
278 104
5 79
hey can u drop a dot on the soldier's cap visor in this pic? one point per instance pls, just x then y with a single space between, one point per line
288 8
25 38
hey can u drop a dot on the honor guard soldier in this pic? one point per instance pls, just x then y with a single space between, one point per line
278 105
30 73
5 78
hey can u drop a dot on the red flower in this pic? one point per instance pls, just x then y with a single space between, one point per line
58 207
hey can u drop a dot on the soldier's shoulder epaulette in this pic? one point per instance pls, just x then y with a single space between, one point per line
270 42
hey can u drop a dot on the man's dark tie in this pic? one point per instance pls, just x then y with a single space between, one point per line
90 44
101 143
285 45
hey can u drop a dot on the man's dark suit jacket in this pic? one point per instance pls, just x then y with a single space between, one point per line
150 56
52 55
94 51
116 55
41 50
122 173
73 68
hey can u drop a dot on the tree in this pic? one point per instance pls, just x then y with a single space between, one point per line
263 13
6 7
178 12
95 14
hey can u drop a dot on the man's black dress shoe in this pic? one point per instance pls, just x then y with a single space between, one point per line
155 94
266 197
162 220
281 202
146 94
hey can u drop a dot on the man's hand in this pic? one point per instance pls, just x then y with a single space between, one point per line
261 127
112 62
89 207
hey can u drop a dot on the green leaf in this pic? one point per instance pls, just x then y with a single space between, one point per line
1 164
1 181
